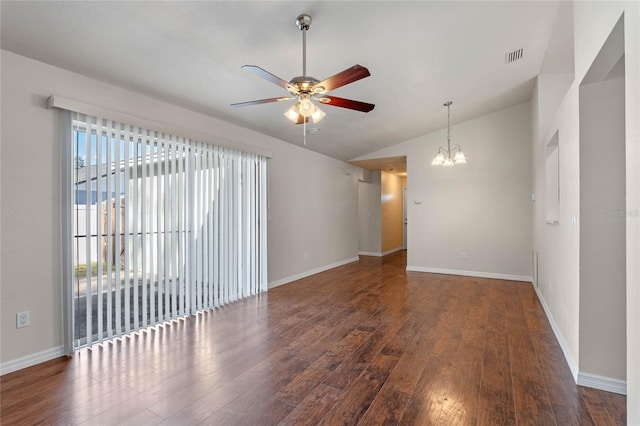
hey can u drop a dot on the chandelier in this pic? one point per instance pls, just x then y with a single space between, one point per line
450 155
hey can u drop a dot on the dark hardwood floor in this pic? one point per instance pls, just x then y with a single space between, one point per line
366 343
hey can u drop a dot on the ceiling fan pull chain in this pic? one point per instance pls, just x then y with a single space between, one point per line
304 132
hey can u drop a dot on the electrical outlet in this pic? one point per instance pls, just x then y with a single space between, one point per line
22 319
464 255
305 257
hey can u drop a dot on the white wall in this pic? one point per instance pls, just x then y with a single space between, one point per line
370 215
313 214
559 246
602 230
312 201
482 208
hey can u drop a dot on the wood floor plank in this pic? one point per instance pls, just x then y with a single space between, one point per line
265 411
406 334
387 407
266 378
531 399
20 379
360 393
314 406
366 343
331 332
411 363
496 397
201 408
604 407
462 396
169 398
302 385
351 368
80 411
425 404
142 418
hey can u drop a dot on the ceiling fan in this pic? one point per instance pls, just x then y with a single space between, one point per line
306 89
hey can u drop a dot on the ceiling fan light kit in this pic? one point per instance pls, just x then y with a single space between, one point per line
306 89
443 156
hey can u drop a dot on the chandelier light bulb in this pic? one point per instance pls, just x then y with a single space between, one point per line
306 108
459 158
438 159
292 113
317 115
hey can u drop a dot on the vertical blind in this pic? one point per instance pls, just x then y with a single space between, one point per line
163 227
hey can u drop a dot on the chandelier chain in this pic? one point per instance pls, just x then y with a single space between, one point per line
448 104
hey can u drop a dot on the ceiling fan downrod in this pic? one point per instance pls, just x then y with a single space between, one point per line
304 22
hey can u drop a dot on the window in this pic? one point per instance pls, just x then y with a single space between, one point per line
163 227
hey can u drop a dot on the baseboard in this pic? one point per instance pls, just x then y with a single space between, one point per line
581 378
470 273
30 360
296 277
393 250
602 383
380 254
556 330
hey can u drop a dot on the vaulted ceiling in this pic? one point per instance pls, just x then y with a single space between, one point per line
420 54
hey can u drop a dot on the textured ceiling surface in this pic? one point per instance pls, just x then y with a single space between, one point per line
420 54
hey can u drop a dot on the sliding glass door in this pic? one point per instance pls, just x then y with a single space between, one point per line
163 227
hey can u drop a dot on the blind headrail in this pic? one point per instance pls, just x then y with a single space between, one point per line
56 101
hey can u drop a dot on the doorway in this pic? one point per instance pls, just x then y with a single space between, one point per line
603 214
404 216
382 212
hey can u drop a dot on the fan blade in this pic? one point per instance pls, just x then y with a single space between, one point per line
345 77
261 101
256 70
346 103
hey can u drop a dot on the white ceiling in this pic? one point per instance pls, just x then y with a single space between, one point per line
395 165
420 54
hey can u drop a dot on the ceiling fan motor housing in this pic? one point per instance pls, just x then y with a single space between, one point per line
303 22
304 84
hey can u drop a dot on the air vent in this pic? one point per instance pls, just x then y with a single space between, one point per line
513 56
